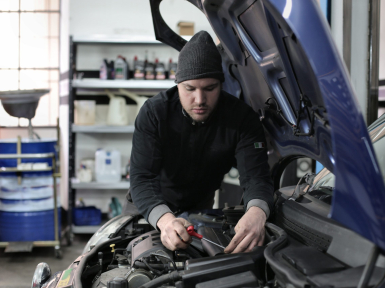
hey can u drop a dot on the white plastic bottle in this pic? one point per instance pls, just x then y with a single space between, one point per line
107 166
121 68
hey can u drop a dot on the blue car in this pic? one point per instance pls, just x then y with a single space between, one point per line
326 231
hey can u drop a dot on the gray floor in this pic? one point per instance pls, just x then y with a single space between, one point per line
16 269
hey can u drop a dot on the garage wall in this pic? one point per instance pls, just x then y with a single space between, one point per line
128 18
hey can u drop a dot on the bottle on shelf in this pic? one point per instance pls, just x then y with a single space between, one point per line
172 70
104 70
139 70
160 72
145 59
149 71
121 68
111 71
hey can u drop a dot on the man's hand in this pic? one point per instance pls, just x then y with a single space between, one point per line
171 228
249 232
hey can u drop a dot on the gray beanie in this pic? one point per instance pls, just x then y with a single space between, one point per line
199 58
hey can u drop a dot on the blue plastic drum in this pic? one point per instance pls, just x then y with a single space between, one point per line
30 218
27 226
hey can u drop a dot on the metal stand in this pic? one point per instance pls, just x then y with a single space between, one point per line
55 174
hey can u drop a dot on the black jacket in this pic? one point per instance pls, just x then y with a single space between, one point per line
179 164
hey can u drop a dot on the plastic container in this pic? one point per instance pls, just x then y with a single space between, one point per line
149 72
28 226
87 216
139 70
172 70
85 112
107 166
160 71
121 68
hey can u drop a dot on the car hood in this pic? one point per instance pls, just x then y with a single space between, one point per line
279 57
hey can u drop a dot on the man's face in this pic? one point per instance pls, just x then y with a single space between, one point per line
199 97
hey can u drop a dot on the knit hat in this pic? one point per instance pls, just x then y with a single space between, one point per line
199 58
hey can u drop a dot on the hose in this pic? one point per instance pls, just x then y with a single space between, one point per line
166 257
155 266
171 277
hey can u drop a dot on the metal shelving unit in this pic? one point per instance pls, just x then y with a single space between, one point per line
103 186
94 87
102 129
92 83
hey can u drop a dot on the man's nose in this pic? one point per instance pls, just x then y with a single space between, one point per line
200 97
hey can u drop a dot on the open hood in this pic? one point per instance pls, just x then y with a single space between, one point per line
279 57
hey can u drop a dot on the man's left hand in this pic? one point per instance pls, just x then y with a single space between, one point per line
249 232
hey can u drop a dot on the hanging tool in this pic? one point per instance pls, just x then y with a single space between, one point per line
191 232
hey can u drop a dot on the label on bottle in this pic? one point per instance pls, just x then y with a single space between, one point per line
160 76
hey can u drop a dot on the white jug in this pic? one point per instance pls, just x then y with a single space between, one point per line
117 112
85 112
138 99
107 166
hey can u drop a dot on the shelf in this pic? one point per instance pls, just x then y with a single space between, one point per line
27 156
94 83
10 169
102 129
86 229
104 186
118 39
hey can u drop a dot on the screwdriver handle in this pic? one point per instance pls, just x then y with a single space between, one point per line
191 232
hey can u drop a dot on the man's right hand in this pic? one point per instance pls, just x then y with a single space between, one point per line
172 230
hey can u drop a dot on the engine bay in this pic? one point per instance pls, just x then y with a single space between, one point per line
301 248
145 261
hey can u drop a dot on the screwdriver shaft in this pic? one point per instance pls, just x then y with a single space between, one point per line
213 242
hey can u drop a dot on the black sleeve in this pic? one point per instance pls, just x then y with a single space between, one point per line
146 160
255 178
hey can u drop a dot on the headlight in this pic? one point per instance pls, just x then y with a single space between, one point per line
41 275
110 227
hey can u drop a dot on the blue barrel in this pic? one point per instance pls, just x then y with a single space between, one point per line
30 218
28 146
28 226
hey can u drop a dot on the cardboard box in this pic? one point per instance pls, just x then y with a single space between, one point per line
186 28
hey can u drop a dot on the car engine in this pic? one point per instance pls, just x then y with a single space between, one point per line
145 262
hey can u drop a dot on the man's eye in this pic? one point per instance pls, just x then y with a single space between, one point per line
210 89
190 89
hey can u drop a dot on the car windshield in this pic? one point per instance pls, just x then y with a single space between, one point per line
325 180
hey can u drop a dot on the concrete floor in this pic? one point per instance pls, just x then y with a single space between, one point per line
16 269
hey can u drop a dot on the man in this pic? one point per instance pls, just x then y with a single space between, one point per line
186 139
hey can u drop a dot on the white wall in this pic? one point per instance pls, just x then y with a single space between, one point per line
128 18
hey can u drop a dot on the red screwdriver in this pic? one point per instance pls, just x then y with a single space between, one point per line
191 232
